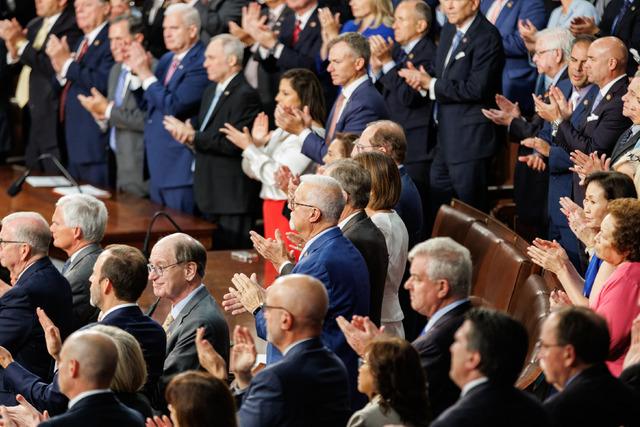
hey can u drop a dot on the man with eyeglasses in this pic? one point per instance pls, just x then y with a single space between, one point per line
24 246
176 268
573 347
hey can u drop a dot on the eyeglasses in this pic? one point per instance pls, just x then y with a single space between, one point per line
541 345
362 362
160 269
633 157
542 52
293 204
2 241
266 307
361 147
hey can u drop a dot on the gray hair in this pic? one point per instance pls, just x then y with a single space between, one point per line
85 212
354 179
35 232
325 193
448 260
190 14
358 44
231 46
188 249
558 38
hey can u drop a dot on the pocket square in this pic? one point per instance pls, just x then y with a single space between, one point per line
592 117
460 55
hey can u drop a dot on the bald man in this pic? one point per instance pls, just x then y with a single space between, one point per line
88 361
309 387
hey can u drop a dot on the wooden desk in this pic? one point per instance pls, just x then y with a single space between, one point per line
129 216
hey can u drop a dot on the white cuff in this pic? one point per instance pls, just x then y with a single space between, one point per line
432 89
388 66
148 82
277 51
304 134
107 111
65 68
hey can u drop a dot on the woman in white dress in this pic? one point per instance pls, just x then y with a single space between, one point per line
385 192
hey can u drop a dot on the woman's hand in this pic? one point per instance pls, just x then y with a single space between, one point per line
260 131
559 299
548 255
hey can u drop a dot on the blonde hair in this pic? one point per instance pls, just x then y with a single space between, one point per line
383 11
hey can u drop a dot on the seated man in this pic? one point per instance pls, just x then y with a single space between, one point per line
574 343
486 359
309 386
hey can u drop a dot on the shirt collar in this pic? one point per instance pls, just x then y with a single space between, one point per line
290 346
220 87
277 11
50 21
26 268
304 18
472 384
441 312
408 47
467 25
85 394
314 238
582 92
607 87
117 307
177 308
344 222
180 56
78 252
348 90
90 38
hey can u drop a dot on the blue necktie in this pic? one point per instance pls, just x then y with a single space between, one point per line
454 45
625 7
596 102
118 98
212 107
66 265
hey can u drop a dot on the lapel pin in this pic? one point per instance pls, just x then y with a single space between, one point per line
312 24
464 40
180 66
510 5
410 56
586 102
96 43
608 97
226 93
633 8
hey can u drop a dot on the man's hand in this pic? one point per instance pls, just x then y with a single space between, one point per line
534 161
239 32
538 144
248 291
58 52
243 356
381 49
586 164
511 108
497 116
547 111
528 34
416 79
564 106
5 357
96 103
583 25
208 357
22 415
12 32
360 332
139 61
273 250
548 255
51 334
181 131
291 119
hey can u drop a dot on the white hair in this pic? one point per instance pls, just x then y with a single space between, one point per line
557 38
231 46
190 14
326 194
35 232
86 212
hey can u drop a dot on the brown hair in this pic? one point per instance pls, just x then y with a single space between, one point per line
309 90
126 268
348 140
385 179
391 136
626 236
201 400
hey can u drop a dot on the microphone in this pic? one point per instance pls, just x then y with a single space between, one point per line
16 186
145 247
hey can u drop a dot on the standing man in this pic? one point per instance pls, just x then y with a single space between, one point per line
174 90
86 144
469 59
77 227
37 87
224 194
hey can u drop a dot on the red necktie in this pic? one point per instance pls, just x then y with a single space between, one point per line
296 32
84 46
172 69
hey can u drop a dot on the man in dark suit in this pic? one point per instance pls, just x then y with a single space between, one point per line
360 230
174 90
119 278
25 238
223 192
358 104
77 227
309 386
90 400
37 86
77 74
153 16
439 287
469 59
413 20
518 76
486 359
176 268
631 109
119 114
215 16
574 344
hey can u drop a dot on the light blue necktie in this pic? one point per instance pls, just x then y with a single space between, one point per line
118 98
596 102
454 45
212 107
626 4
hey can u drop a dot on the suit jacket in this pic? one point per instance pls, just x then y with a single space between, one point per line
78 274
406 105
369 240
128 119
309 387
466 85
435 358
623 147
153 34
365 105
216 14
220 186
201 310
44 89
41 285
99 410
169 161
631 377
494 405
518 76
85 141
410 208
609 401
627 30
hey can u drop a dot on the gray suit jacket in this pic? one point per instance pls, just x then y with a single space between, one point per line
129 122
619 150
201 310
78 274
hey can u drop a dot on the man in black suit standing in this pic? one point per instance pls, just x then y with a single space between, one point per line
486 359
37 87
224 194
631 109
439 287
468 66
574 344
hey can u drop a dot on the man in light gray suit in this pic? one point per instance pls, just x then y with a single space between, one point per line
119 114
77 226
176 268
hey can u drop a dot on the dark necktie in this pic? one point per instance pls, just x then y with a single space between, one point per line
66 266
626 4
84 46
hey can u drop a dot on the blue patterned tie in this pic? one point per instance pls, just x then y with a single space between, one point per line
66 265
626 4
118 98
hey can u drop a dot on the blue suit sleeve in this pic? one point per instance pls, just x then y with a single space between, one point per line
16 319
182 98
559 161
41 395
314 147
87 77
532 10
263 402
261 326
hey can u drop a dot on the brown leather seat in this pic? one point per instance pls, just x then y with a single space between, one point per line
482 244
452 223
551 281
469 210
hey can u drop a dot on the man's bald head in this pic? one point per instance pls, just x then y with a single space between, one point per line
607 60
95 355
304 297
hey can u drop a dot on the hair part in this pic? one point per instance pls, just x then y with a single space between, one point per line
85 212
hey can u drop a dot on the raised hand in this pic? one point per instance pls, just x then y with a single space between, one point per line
243 356
181 131
58 52
511 108
548 255
273 250
583 25
359 332
208 357
51 334
138 61
417 79
528 34
534 161
538 144
241 139
248 291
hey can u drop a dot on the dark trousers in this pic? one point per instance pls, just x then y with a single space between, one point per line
179 198
93 173
232 231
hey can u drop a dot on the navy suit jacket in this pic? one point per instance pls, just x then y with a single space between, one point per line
409 208
308 387
86 143
518 75
627 30
99 410
365 105
169 161
41 285
493 405
467 84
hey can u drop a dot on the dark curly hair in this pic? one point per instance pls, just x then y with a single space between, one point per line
626 236
399 379
309 90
